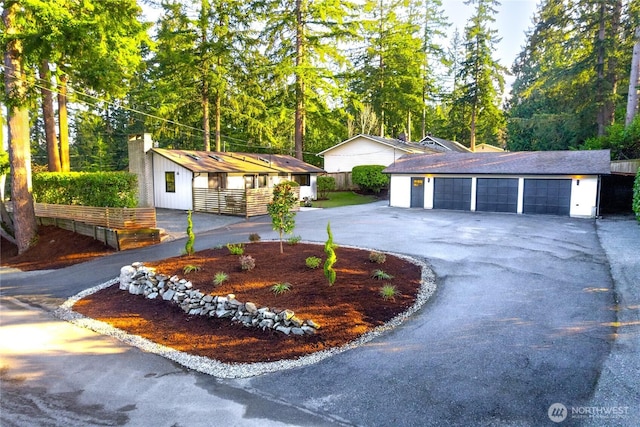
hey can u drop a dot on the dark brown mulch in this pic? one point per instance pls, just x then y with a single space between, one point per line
55 248
346 310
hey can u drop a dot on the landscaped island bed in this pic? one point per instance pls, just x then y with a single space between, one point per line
344 311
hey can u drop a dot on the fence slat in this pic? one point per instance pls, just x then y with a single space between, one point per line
121 218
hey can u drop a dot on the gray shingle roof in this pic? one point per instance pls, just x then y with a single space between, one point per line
209 161
440 144
401 145
594 162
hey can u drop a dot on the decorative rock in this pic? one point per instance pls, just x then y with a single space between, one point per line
135 289
140 280
285 330
250 307
308 330
313 324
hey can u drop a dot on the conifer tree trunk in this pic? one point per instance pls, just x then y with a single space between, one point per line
24 218
53 151
300 107
632 99
63 123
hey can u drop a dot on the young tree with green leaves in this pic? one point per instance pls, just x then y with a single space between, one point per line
281 209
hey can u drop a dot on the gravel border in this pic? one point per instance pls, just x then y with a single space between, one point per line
242 370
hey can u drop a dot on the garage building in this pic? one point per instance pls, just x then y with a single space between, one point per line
529 182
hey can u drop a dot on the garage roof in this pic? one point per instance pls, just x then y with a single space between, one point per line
592 162
213 161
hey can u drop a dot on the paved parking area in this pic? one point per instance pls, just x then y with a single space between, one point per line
530 311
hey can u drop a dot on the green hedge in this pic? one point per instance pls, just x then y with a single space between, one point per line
103 189
325 184
636 196
370 177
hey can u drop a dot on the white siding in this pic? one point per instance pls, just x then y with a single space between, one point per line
583 195
400 191
183 197
358 152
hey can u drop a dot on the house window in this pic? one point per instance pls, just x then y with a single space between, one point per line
262 181
249 182
170 182
216 180
303 179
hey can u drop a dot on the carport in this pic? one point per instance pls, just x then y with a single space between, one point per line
563 183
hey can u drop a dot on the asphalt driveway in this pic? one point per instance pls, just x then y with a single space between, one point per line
526 315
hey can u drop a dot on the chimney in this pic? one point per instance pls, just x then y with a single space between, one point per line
141 165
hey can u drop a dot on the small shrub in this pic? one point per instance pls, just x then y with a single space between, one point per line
313 262
247 262
235 248
325 185
280 288
220 277
329 249
381 275
190 268
370 177
294 240
377 257
191 237
388 292
254 237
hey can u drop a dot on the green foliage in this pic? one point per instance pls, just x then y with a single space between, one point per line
280 288
370 177
281 208
325 185
381 275
313 262
388 292
191 237
377 257
294 240
102 189
220 277
254 237
623 141
190 268
247 262
636 196
329 249
235 248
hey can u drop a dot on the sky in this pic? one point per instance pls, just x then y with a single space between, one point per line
512 21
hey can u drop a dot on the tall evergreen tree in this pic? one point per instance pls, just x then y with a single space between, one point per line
388 75
482 76
302 42
24 220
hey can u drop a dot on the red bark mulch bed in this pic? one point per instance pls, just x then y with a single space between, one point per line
55 248
346 310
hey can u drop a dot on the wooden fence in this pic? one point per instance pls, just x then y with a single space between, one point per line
119 218
625 167
119 228
250 202
343 181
